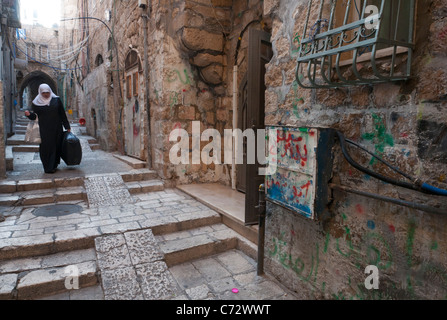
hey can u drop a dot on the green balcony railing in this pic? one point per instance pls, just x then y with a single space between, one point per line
356 42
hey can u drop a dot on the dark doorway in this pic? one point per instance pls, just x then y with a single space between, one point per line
251 116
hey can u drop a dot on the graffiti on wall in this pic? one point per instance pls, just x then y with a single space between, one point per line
293 183
379 136
377 247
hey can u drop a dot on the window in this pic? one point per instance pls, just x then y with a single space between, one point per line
135 84
99 60
129 86
352 42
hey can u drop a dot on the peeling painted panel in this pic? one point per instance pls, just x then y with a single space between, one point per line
293 185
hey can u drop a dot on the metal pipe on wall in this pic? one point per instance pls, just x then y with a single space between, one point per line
146 81
233 167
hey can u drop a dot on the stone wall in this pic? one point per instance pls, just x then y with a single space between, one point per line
403 122
191 76
2 136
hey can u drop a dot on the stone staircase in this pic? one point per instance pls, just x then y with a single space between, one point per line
47 191
124 248
133 264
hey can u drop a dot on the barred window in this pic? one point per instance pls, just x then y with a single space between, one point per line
354 42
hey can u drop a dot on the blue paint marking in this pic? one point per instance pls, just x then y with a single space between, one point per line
275 193
371 225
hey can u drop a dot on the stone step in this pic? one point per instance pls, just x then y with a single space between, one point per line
9 158
39 276
7 186
183 246
145 186
25 148
45 196
94 146
134 163
16 140
30 243
140 175
135 265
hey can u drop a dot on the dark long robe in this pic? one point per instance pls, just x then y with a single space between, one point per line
51 119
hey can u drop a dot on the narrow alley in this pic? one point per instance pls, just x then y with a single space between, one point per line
256 150
127 237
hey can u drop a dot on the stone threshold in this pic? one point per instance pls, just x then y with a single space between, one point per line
227 202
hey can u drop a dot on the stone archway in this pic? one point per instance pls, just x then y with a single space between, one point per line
33 80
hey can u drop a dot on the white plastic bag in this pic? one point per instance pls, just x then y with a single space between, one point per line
32 134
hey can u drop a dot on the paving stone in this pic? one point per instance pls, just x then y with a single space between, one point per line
8 186
210 269
37 184
224 284
46 281
156 281
9 200
261 291
120 227
121 284
70 257
187 275
90 293
7 285
199 293
112 252
143 247
235 262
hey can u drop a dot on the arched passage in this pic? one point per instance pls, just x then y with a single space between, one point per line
32 81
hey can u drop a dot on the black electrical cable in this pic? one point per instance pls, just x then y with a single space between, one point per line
383 161
370 172
412 205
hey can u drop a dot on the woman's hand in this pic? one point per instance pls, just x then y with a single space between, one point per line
27 113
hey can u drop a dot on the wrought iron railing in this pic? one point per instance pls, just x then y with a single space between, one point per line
356 42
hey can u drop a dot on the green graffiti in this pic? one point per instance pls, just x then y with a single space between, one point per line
434 245
409 247
377 261
379 137
296 99
297 43
173 98
178 76
349 242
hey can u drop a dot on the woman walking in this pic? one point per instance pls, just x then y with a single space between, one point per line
51 116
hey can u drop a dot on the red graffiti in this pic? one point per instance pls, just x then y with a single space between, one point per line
288 149
443 34
359 209
300 193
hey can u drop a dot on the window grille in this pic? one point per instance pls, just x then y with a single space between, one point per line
355 42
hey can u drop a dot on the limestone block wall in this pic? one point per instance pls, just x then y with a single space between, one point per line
191 76
2 136
403 122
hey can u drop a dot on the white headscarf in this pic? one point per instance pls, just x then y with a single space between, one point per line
40 100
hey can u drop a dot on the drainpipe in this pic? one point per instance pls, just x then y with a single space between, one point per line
233 167
261 233
146 79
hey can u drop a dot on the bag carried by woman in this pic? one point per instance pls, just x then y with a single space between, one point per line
32 134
